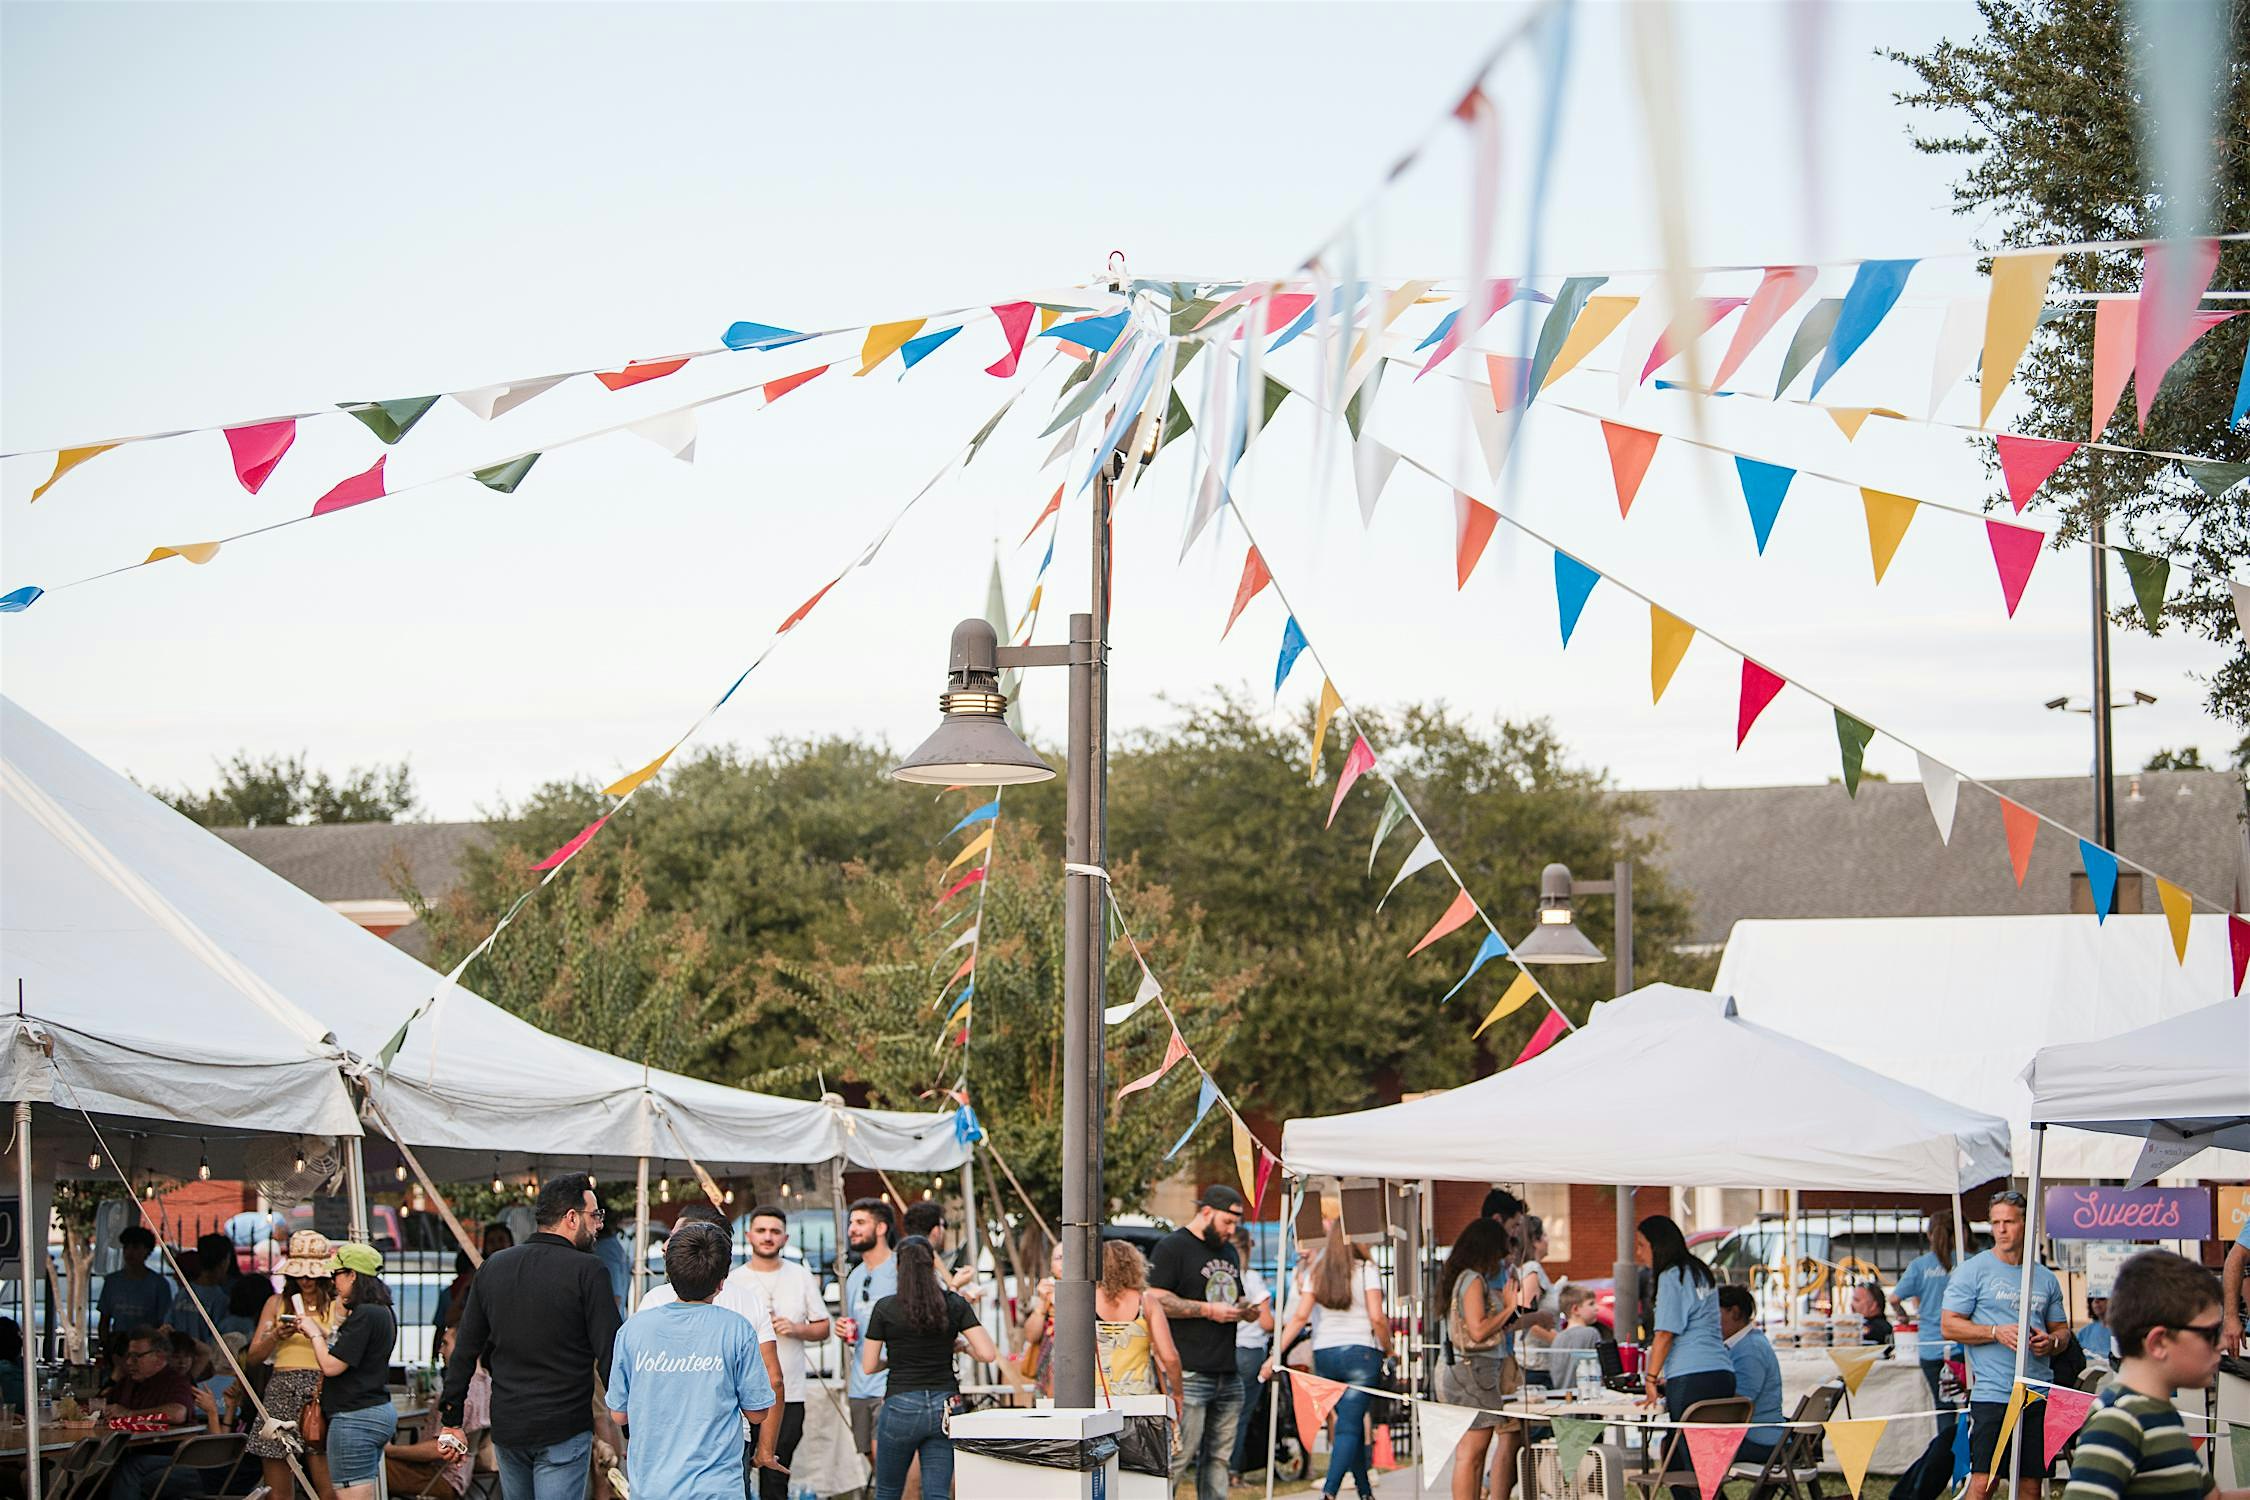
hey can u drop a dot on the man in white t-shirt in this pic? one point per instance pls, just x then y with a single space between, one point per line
792 1300
738 1294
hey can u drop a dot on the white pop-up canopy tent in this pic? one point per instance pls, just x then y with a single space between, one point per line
1668 1085
2183 1082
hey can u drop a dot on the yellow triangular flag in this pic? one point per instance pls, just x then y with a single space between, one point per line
1030 609
971 850
198 553
621 787
2019 293
1047 317
1329 703
1668 637
1597 322
68 459
1855 1445
1888 516
2178 907
1853 1366
2007 1425
1523 989
885 340
1394 304
1849 418
1245 1158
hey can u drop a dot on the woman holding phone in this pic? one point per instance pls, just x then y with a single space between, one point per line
305 1303
355 1365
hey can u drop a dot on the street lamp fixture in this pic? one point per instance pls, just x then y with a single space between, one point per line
974 745
1557 940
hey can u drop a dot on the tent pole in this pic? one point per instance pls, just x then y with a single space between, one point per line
26 1237
2023 1300
355 1185
1275 1395
640 1230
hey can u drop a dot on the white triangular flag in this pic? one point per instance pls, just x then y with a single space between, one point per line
674 432
1117 1014
1649 322
2164 1149
1063 445
1443 1427
1423 856
489 401
1371 470
2241 607
965 938
1960 339
1206 506
1943 785
1494 429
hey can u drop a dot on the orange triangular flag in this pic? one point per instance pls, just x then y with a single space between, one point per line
67 459
1472 528
1668 637
1312 1399
1849 419
2178 907
1175 1051
1053 504
1888 516
1254 578
1630 449
1464 907
2022 826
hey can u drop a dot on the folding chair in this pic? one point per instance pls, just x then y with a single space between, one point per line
1723 1410
204 1453
93 1473
1794 1464
64 1473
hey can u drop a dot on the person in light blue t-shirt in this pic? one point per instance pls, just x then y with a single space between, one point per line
1923 1283
692 1374
1687 1357
2095 1338
871 1232
1981 1304
1757 1372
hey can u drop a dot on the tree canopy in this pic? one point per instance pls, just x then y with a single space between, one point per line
277 789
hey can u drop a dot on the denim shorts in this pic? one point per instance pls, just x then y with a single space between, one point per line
355 1443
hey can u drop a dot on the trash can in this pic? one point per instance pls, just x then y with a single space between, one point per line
1145 1445
1051 1453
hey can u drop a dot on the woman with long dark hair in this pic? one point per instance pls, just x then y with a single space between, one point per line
1477 1371
1921 1291
913 1331
1348 1344
306 1304
355 1363
1687 1355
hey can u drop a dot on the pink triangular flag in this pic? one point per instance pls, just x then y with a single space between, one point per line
578 841
1471 316
1668 343
2014 550
1630 450
958 886
1782 288
1464 907
1015 324
1712 1450
1358 761
1758 689
1510 379
357 490
2066 1413
257 449
1550 1031
806 608
1254 578
2028 463
2116 325
2174 276
1175 1051
2238 946
1054 503
1472 528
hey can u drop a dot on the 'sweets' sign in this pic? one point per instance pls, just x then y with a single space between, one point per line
2113 1213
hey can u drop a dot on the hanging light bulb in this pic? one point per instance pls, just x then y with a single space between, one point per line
664 1189
402 1171
729 1197
592 1181
93 1161
785 1190
497 1185
925 1195
300 1161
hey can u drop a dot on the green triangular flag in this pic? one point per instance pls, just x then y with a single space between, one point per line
1393 811
1810 338
1276 393
1184 358
1363 401
1188 314
398 1040
392 420
986 431
1852 736
2215 477
2238 1438
2149 575
505 477
1177 422
1569 302
1573 1436
1085 368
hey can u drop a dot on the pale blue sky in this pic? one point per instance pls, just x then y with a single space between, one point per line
209 213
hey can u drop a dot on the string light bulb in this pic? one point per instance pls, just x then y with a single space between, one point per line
203 1162
664 1189
93 1161
728 1196
300 1161
785 1190
402 1171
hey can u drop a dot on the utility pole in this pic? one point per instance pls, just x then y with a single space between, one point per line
2105 746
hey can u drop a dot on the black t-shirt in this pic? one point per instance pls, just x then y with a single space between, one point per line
919 1361
1199 1270
364 1343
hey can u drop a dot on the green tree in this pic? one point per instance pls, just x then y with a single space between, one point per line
277 789
2043 111
2189 759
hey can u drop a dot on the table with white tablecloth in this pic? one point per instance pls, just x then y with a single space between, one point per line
1893 1385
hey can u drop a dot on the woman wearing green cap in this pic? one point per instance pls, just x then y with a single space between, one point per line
355 1367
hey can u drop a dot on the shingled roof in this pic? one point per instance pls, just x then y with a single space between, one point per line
1812 851
354 861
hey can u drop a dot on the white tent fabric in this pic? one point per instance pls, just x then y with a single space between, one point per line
1668 1085
2189 1075
1958 1005
167 958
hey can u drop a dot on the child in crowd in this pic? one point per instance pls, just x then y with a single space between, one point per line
2164 1314
1579 1336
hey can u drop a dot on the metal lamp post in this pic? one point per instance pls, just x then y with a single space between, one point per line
1557 940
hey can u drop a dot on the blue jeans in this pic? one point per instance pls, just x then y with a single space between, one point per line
1210 1411
913 1423
555 1471
1247 1443
1359 1364
355 1443
1680 1393
137 1475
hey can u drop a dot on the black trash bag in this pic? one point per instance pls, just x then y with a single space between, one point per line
1082 1455
1145 1446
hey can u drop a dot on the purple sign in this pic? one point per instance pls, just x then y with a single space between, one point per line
2115 1213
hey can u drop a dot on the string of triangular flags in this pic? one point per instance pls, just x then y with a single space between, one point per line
982 824
626 787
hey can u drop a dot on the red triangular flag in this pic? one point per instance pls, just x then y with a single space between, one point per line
2022 825
1472 528
1712 1450
776 389
1464 907
1175 1051
638 371
1312 1399
2238 943
2028 463
957 888
1630 450
357 490
806 608
257 449
2014 550
1053 505
1254 578
1357 762
578 841
1015 323
1550 1031
1758 689
1266 1164
2066 1413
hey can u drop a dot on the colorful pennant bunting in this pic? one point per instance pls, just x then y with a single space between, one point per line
1495 430
970 850
624 786
798 614
1569 302
1330 701
357 490
257 449
974 877
1245 1159
2116 332
1494 946
67 459
884 340
1464 907
392 420
2021 825
1888 516
1117 1015
1054 504
2101 877
1574 1438
1015 327
2019 293
1630 450
1941 787
2149 575
2016 1397
1712 1450
1808 341
16 601
1472 528
1780 289
915 350
1599 321
1292 647
984 814
2027 463
2174 276
1955 350
1764 487
1686 329
639 372
2179 907
505 477
745 336
1852 739
2066 1413
1253 582
673 431
1668 637
1359 760
1758 689
1205 1097
1874 292
1509 380
1312 1398
1394 812
1853 1366
490 401
1520 992
1175 1051
1097 334
198 553
1854 1443
1574 584
1552 1028
576 842
774 390
1372 464
2015 549
2215 477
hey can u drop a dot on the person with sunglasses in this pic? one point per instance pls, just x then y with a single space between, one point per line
1982 1301
541 1318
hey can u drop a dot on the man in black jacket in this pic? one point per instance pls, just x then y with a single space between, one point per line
542 1319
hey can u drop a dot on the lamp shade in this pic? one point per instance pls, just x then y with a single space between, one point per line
973 750
1557 943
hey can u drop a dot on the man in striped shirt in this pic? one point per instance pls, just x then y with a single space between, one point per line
2164 1312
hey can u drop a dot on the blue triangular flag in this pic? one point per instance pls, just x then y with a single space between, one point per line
1573 582
1203 1101
1444 327
1491 948
989 810
760 336
1763 486
1292 646
1096 334
2101 877
1874 292
966 1128
1303 322
914 351
1050 557
960 1000
17 601
2242 392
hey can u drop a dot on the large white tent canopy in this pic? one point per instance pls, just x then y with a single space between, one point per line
2186 1078
1668 1085
183 982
